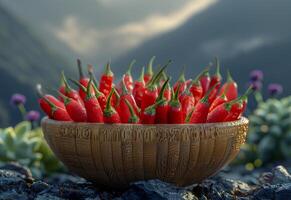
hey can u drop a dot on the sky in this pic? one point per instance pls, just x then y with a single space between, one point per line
108 27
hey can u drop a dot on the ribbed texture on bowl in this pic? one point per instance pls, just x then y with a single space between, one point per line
115 155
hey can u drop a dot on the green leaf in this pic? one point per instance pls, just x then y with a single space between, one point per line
22 128
285 145
266 148
9 137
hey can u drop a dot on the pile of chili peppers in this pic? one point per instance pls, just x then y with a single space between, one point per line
148 100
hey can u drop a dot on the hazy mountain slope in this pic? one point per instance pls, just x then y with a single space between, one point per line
245 34
24 61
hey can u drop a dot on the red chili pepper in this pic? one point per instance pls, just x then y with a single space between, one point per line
123 110
110 114
239 107
187 101
215 80
92 106
188 82
219 113
69 92
133 119
219 100
99 95
151 91
44 105
205 81
163 107
62 87
81 88
196 87
229 88
181 83
149 74
139 87
148 116
75 110
106 81
82 79
175 115
168 92
128 80
55 112
201 109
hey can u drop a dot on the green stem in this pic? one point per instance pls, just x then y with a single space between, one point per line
130 67
81 75
133 117
157 76
141 79
161 94
150 66
108 71
229 77
22 110
78 84
258 97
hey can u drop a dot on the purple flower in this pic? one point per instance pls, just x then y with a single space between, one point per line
275 89
32 116
17 99
256 75
256 85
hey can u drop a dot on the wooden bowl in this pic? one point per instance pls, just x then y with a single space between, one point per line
115 155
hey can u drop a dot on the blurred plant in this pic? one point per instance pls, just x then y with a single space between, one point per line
25 143
269 137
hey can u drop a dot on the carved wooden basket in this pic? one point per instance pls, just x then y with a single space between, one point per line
115 155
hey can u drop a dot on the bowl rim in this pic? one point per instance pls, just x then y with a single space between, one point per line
242 120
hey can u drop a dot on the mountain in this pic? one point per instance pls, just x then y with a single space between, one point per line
246 35
24 61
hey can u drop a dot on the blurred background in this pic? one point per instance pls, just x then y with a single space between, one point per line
38 39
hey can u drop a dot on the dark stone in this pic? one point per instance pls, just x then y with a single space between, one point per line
11 180
283 192
265 192
39 186
15 183
13 195
13 166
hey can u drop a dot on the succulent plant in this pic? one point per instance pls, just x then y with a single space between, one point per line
27 146
269 137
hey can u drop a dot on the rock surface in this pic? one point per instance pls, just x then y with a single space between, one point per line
16 183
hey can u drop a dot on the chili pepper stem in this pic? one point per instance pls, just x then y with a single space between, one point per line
78 84
108 105
81 75
161 95
128 72
133 117
156 77
182 75
108 71
141 79
217 63
205 98
150 66
229 77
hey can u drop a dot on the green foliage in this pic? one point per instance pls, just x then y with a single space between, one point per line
27 147
269 137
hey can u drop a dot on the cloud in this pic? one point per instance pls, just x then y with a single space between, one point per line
230 46
112 41
75 36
